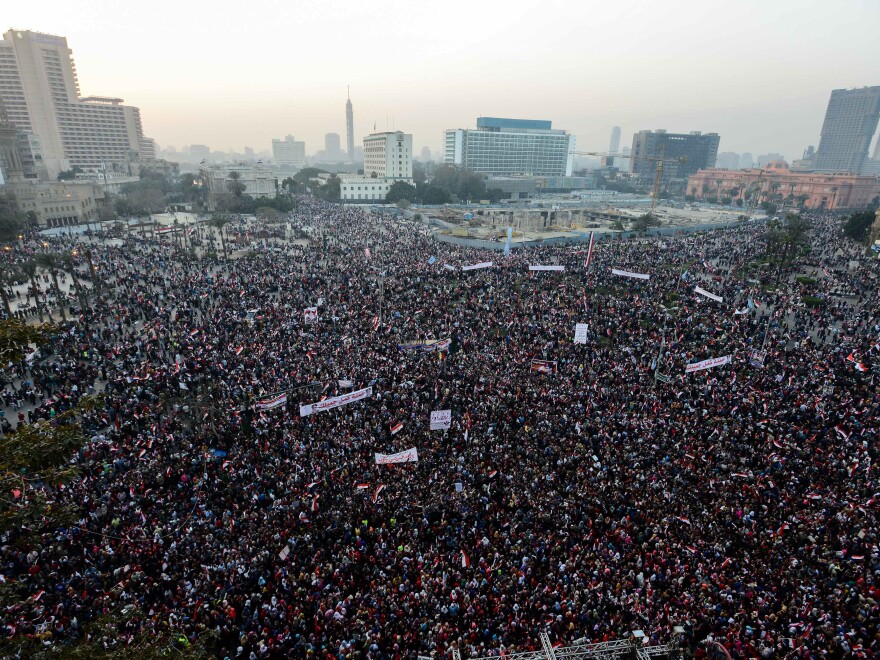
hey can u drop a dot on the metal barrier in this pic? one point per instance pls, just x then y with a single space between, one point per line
622 648
581 238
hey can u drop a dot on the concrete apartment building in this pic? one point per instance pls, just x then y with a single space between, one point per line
849 126
40 88
289 153
505 147
388 158
699 151
388 155
779 184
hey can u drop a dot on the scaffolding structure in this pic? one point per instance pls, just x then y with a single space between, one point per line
622 649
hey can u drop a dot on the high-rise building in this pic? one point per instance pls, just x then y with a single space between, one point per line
39 86
615 140
349 129
501 147
332 146
849 126
745 160
696 151
426 154
764 159
727 160
289 152
388 155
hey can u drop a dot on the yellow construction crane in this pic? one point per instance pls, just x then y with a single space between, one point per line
660 159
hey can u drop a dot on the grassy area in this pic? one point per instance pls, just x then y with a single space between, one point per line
813 301
806 279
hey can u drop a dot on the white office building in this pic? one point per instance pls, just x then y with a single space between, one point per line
40 89
289 152
506 147
388 155
354 189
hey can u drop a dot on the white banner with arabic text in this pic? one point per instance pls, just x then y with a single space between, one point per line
335 402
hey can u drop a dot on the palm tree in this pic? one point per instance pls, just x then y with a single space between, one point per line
718 183
219 221
235 185
67 260
30 269
51 262
96 285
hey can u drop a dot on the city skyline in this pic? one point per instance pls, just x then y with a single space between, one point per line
199 88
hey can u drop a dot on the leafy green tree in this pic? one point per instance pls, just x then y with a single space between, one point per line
769 208
330 191
69 175
11 225
643 222
431 194
268 214
857 225
401 190
304 176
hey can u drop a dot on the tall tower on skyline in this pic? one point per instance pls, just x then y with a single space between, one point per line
615 140
848 129
349 127
10 162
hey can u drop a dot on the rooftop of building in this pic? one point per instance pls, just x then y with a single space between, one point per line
504 122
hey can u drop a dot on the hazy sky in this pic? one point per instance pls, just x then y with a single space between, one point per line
235 74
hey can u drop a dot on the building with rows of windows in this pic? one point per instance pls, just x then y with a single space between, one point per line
506 147
40 90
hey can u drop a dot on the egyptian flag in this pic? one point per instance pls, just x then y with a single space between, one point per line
465 560
397 427
367 252
315 502
375 323
376 494
589 253
362 486
493 474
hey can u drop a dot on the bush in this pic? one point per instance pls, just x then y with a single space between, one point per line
805 279
813 301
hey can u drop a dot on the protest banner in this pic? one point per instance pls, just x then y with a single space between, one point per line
580 333
711 296
707 364
551 268
482 264
410 455
335 402
274 402
441 419
626 273
310 314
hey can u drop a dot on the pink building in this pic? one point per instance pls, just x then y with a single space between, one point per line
776 183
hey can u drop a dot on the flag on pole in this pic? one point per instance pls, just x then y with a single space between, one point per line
397 427
362 486
589 252
378 491
465 560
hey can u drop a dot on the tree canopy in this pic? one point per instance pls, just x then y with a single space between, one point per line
857 225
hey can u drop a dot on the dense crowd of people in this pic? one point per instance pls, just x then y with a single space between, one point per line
606 491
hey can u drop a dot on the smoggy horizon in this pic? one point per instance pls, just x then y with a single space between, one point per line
759 74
